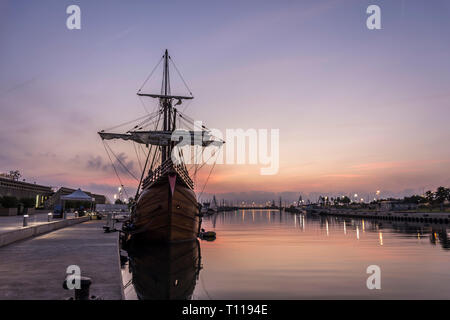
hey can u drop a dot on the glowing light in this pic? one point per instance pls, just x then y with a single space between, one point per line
357 232
381 238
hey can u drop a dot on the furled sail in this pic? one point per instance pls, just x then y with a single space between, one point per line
164 138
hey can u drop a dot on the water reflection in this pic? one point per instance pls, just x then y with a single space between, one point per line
167 272
438 233
265 254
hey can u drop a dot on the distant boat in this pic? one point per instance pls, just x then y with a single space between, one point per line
209 208
166 207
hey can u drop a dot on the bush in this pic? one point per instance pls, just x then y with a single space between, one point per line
10 202
28 202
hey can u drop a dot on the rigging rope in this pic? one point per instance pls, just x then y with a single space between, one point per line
115 170
128 122
206 182
124 166
151 73
137 155
179 73
143 104
145 166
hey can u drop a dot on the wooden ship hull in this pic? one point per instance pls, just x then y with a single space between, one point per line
166 272
166 213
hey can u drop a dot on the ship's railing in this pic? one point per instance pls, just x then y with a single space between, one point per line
165 168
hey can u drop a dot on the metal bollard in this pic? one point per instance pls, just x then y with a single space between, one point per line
83 292
49 217
109 220
25 220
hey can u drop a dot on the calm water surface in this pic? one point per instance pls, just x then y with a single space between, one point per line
265 254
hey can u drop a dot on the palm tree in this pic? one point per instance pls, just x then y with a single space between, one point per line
441 195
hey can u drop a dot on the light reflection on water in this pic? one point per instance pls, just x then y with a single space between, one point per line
264 254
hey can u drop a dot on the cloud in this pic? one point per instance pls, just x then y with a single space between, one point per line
405 165
121 163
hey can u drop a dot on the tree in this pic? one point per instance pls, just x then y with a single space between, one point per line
345 200
441 195
10 202
414 199
15 175
429 195
28 202
118 201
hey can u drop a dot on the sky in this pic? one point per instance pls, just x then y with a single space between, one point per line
358 110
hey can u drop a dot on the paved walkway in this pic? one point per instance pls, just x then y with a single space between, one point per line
34 269
10 223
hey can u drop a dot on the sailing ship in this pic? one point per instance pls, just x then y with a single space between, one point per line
165 207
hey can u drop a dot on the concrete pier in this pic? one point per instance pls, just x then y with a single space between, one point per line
421 217
11 223
34 269
12 229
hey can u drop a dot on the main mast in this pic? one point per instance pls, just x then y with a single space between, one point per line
166 104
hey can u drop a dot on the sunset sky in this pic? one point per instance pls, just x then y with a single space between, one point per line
358 110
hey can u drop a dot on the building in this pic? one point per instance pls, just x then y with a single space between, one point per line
396 206
21 189
45 196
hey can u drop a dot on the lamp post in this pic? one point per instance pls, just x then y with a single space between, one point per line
25 220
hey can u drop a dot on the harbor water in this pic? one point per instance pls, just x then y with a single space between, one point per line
268 254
